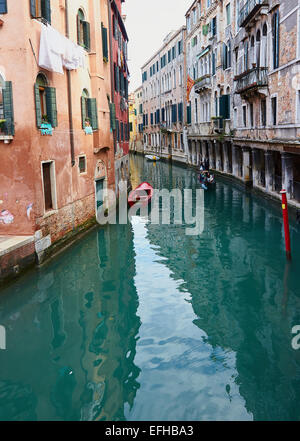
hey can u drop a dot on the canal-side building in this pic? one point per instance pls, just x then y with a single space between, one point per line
56 147
120 79
209 72
132 121
243 109
164 94
136 134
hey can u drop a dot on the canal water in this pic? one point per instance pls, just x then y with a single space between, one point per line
142 322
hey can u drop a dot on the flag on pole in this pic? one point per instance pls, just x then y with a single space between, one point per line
190 85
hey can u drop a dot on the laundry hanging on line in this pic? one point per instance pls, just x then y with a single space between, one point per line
57 51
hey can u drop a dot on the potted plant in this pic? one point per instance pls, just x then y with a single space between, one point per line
2 125
45 119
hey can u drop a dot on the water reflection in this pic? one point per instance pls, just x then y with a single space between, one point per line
236 280
72 330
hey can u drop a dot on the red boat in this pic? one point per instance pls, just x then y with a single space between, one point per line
143 193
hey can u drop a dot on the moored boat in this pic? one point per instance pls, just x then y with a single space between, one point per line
152 157
143 193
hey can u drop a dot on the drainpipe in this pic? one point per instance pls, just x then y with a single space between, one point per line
69 88
111 66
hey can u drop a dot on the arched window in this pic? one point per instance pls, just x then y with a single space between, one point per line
265 30
42 83
83 30
258 48
45 101
275 39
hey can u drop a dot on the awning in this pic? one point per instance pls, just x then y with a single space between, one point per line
203 52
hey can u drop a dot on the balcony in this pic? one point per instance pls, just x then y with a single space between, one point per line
252 81
250 9
203 84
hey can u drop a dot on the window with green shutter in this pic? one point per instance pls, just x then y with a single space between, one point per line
104 43
93 112
8 108
40 9
3 6
45 102
51 105
112 109
83 31
225 106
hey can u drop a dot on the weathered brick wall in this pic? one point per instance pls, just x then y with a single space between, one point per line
67 218
15 261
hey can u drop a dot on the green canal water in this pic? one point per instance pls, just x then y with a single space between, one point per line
142 322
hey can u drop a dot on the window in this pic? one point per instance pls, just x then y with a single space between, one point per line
214 26
263 105
104 42
89 111
228 16
275 39
82 164
274 110
251 115
45 102
173 52
179 47
3 6
48 176
298 106
213 63
196 111
6 107
244 116
40 9
83 31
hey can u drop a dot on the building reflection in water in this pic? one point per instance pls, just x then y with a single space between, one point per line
235 275
72 330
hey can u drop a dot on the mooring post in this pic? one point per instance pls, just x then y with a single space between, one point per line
286 225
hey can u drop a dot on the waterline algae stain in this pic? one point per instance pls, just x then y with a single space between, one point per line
143 322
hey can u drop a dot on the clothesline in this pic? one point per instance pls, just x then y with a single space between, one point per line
58 52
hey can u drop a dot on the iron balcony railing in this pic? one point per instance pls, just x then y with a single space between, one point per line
256 77
248 10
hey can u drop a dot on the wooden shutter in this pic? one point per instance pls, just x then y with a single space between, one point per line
51 105
225 106
78 29
38 110
33 8
87 35
46 12
83 111
93 112
3 6
112 109
104 42
8 107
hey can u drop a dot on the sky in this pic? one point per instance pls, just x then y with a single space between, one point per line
147 23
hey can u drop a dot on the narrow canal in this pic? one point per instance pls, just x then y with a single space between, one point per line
142 322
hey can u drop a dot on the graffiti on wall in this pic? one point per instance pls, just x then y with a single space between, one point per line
6 217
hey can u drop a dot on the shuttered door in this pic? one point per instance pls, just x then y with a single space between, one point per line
8 107
3 6
225 106
99 193
51 105
47 186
